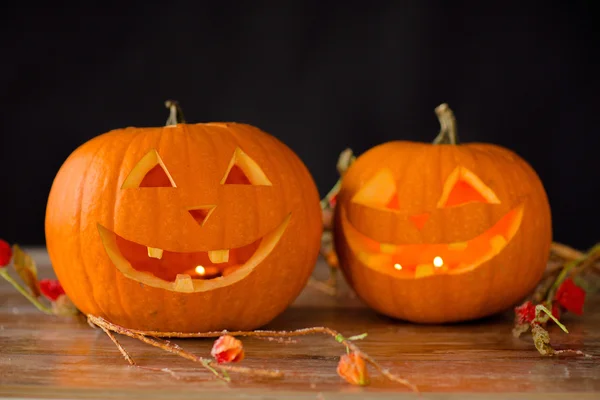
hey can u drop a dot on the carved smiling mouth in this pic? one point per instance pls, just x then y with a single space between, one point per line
187 271
421 260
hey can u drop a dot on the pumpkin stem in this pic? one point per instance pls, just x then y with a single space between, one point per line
448 134
175 113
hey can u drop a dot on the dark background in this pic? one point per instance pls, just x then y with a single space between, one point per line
321 76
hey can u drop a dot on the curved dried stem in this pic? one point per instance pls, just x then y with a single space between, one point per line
130 360
175 113
298 332
325 287
176 349
119 346
565 252
448 131
173 348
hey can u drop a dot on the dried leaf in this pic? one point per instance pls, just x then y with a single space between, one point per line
64 307
27 270
541 339
519 329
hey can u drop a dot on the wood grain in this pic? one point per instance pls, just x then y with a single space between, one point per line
52 357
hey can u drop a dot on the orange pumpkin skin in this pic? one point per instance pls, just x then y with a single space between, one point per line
94 211
459 291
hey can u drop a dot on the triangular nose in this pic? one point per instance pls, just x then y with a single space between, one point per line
201 213
419 220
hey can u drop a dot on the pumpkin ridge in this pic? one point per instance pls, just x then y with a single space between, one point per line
252 308
207 130
124 304
300 171
255 287
101 147
493 273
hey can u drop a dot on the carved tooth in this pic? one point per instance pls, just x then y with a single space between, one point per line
423 270
458 246
218 256
155 253
497 242
388 248
183 283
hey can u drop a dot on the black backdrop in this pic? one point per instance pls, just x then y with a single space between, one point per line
321 76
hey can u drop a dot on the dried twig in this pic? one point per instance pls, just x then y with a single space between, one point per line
130 360
565 252
176 349
299 332
119 346
324 287
144 336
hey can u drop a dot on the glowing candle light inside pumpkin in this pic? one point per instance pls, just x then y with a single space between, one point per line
200 270
204 272
438 262
398 266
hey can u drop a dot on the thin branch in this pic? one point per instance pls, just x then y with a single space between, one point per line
176 349
566 252
130 360
299 332
322 286
121 348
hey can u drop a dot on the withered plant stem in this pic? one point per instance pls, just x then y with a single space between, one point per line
173 348
176 349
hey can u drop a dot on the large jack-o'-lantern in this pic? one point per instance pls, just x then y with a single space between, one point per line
442 232
188 227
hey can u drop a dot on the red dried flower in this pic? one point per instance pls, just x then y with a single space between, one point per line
5 253
570 296
227 349
353 369
525 313
51 288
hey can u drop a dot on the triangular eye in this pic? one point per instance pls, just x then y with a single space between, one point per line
150 171
243 170
463 186
379 191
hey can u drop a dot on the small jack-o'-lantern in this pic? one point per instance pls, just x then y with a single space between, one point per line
188 227
442 232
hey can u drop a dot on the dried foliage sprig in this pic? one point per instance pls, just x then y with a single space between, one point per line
220 371
33 288
151 337
328 203
561 290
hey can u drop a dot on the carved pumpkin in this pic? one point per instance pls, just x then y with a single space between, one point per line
442 232
189 227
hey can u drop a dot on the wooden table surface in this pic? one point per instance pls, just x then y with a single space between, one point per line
51 357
